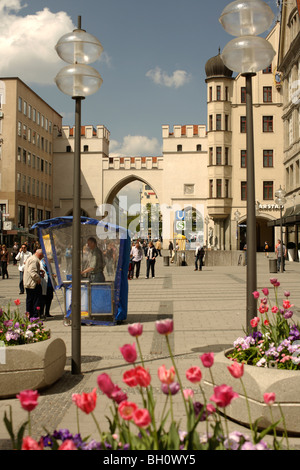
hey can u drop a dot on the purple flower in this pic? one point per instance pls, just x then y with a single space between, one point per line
171 388
288 314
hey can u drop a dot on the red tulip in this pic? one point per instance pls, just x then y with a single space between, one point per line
207 359
236 370
142 418
28 399
17 302
127 409
136 329
30 444
86 401
105 384
254 322
223 395
129 352
194 374
164 327
143 376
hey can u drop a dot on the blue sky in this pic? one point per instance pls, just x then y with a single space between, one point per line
153 64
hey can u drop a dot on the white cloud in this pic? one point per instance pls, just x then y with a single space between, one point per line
159 77
135 145
27 42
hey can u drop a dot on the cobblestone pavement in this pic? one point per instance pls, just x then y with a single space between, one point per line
209 313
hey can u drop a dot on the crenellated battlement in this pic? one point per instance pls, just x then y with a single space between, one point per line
87 132
188 131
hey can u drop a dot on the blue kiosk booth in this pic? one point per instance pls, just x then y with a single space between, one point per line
102 302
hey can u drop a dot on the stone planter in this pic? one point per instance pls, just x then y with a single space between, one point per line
31 366
284 383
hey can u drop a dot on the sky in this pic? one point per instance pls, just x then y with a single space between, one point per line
152 66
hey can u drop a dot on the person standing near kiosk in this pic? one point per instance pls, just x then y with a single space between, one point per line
95 262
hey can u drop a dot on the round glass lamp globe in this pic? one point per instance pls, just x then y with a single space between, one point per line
248 54
251 17
78 80
79 47
280 193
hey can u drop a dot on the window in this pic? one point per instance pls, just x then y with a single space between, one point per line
85 148
218 93
226 156
18 181
24 156
243 124
25 108
21 216
211 155
226 122
210 93
226 93
243 158
19 129
244 191
179 148
268 190
218 122
68 148
226 188
219 188
30 215
23 184
19 154
267 94
211 188
199 147
268 69
219 156
20 104
210 127
243 94
267 123
268 158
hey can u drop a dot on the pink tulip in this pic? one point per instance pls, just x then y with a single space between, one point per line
273 280
188 393
118 395
129 352
255 294
136 329
275 309
105 384
194 374
269 398
265 291
28 399
68 444
223 395
29 443
86 401
286 293
236 370
127 409
142 418
164 327
166 376
207 359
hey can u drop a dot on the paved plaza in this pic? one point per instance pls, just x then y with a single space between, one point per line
208 309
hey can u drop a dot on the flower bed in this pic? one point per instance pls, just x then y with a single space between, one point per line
17 329
275 337
141 426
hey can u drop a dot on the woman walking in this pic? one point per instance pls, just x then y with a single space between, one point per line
4 257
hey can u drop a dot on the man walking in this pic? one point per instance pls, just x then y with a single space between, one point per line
32 283
22 257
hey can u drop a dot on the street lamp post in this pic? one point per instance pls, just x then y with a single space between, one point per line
281 200
237 216
77 80
248 54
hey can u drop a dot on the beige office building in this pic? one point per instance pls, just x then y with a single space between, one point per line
27 126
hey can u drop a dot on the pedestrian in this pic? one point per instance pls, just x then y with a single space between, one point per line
15 251
280 249
22 256
4 257
199 255
47 291
32 283
171 247
266 249
158 247
151 258
136 258
174 252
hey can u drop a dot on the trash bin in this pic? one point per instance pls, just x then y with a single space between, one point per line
273 265
166 260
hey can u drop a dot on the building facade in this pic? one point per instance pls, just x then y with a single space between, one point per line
27 127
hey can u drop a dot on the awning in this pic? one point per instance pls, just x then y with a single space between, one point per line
290 217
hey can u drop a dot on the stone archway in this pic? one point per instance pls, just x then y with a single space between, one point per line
263 233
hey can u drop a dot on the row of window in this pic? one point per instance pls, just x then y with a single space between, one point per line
34 161
198 148
33 215
267 94
29 185
32 136
267 123
268 157
223 192
34 115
